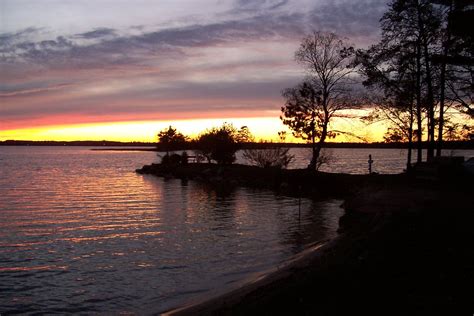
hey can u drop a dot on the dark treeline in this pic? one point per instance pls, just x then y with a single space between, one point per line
418 79
421 71
251 145
191 145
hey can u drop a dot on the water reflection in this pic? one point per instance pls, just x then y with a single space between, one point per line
319 223
81 232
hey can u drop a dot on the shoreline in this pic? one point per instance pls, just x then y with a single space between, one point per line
124 149
387 260
224 298
289 182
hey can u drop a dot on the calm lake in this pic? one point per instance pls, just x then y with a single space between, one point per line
80 231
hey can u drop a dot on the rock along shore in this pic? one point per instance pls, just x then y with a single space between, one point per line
292 182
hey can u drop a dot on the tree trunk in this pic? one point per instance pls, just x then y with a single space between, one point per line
430 101
317 147
410 138
429 83
312 164
315 152
442 82
419 157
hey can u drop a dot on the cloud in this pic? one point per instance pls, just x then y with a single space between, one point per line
171 70
8 38
97 33
181 97
349 18
5 94
344 17
252 5
148 48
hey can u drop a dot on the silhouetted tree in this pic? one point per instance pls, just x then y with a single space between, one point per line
169 139
310 106
457 131
417 23
221 143
455 60
244 135
391 74
422 68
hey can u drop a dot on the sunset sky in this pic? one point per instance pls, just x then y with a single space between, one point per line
123 70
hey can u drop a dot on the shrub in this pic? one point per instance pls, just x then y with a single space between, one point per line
173 159
274 157
219 144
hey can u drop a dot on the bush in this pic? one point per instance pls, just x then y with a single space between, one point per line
173 159
274 157
219 144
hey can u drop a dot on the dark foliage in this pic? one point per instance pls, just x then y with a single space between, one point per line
221 143
172 159
169 139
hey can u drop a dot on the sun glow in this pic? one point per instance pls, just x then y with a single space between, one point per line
263 128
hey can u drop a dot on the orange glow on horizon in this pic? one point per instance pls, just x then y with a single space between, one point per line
263 129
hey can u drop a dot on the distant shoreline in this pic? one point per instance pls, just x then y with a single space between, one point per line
146 146
124 149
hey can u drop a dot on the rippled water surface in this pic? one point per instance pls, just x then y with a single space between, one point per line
354 161
80 231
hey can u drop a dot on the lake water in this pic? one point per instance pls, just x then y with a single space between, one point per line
80 231
350 160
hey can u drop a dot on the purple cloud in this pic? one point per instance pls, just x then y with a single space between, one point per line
151 69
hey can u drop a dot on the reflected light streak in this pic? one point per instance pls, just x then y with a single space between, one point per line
112 236
38 268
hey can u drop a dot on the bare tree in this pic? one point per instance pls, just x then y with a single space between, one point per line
310 106
277 156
